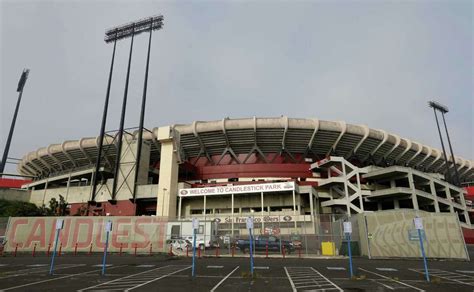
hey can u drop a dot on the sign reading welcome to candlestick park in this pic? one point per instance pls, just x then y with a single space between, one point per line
237 189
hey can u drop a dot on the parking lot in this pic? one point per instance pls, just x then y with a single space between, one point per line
165 273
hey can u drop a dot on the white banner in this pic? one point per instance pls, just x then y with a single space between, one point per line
238 189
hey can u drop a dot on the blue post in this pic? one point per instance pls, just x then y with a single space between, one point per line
54 252
424 257
194 251
105 252
350 253
251 252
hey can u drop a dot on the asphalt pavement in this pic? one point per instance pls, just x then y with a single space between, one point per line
164 273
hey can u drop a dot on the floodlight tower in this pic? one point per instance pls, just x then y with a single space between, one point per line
444 109
21 85
113 35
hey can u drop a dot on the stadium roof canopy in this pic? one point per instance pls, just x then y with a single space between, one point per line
270 135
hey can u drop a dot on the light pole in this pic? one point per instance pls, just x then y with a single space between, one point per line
142 112
124 31
444 109
113 35
21 85
102 128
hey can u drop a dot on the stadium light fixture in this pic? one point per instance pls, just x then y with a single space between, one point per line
134 28
19 88
436 106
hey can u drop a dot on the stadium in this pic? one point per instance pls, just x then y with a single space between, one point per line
236 167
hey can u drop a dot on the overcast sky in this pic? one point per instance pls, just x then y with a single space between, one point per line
365 62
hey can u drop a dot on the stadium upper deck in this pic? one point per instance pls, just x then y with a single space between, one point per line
239 138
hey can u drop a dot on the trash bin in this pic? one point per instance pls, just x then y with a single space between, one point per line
328 248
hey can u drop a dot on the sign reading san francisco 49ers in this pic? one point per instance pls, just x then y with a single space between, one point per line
238 189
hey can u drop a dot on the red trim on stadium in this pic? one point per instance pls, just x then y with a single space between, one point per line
12 183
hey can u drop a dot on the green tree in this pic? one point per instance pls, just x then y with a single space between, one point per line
18 209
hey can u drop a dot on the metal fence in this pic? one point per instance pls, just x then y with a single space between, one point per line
273 236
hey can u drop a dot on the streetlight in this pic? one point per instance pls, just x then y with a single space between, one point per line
21 85
444 109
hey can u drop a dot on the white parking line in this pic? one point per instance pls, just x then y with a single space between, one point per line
385 285
385 277
134 280
146 266
449 276
387 269
38 270
100 265
156 279
215 267
336 268
466 272
54 279
225 278
307 278
261 268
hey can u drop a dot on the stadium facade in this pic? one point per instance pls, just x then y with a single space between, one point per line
236 167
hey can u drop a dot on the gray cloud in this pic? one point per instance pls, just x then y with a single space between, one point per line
364 62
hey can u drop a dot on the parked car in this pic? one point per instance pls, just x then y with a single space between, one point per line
178 243
297 241
200 242
261 242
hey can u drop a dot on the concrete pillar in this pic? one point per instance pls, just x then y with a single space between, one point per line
294 207
68 185
179 207
346 190
414 198
262 211
45 189
126 175
232 223
435 196
392 183
379 206
449 198
396 204
311 207
361 200
168 174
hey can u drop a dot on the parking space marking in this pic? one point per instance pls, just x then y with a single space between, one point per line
396 281
136 280
54 279
466 272
225 278
215 267
450 276
146 266
37 265
336 268
38 270
387 269
307 278
385 285
156 279
100 265
261 268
